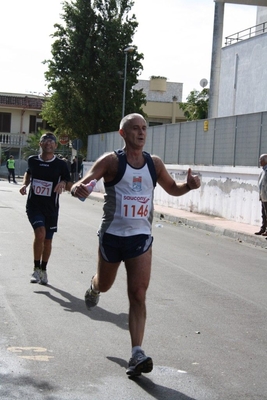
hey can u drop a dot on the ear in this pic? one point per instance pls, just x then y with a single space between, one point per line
121 132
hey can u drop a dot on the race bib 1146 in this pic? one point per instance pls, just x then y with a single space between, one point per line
133 206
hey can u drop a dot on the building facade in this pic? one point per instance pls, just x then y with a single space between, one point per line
238 80
162 100
19 116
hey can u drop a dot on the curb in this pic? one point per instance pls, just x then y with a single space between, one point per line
238 236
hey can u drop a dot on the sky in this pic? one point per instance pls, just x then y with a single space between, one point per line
175 37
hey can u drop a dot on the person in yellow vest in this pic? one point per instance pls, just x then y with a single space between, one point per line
10 164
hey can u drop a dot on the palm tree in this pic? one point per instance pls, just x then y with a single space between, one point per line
33 146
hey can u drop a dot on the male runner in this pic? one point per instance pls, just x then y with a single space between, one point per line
48 176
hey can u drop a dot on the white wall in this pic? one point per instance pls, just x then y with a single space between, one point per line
227 192
261 15
243 64
16 119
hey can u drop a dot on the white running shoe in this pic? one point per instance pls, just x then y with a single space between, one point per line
36 276
43 278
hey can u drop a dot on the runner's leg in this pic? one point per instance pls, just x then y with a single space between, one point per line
138 277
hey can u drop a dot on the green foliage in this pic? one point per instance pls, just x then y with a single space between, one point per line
3 157
85 74
32 146
197 105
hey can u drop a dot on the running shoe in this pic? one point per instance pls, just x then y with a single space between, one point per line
43 278
36 276
139 364
91 298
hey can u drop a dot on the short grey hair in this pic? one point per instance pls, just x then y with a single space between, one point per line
128 117
263 157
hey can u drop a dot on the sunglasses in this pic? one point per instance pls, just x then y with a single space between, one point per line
48 138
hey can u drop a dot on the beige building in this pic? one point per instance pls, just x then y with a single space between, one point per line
19 116
163 100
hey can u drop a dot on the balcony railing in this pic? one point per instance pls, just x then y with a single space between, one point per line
13 140
246 34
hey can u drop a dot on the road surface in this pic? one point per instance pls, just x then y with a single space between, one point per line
206 326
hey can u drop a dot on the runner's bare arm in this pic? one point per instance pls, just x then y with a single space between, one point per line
105 167
168 183
25 183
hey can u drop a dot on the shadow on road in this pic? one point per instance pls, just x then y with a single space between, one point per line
75 304
160 392
24 387
157 391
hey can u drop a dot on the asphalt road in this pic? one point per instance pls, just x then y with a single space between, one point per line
206 326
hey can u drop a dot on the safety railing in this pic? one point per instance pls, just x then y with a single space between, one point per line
246 34
14 140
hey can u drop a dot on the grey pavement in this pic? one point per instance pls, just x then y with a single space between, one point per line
206 327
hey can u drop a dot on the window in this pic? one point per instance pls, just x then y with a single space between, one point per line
32 127
5 122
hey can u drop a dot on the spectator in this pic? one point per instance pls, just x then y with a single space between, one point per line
263 194
68 163
10 164
82 168
75 169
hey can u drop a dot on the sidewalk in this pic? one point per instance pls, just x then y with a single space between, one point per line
236 230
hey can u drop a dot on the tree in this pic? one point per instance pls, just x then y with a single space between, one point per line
197 105
33 146
85 74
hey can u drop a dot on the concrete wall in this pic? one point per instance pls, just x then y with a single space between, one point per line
226 192
261 15
234 141
243 77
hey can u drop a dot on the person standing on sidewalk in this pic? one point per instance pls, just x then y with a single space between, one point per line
263 194
48 176
130 176
75 169
10 164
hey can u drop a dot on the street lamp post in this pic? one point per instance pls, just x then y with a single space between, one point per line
126 51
